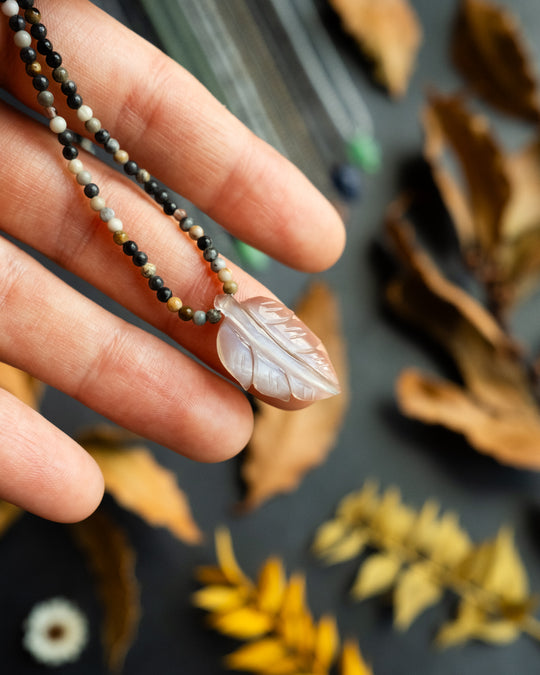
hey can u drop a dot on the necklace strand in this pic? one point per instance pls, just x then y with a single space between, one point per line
58 125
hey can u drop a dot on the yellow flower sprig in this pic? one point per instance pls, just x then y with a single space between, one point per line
419 555
272 616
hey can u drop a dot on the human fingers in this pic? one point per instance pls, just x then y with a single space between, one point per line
152 106
133 378
41 469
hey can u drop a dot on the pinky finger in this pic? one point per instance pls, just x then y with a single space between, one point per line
41 469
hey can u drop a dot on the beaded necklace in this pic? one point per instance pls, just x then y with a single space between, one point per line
261 343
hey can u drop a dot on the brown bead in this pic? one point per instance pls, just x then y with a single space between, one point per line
120 237
185 313
121 156
174 304
179 214
33 68
32 15
230 287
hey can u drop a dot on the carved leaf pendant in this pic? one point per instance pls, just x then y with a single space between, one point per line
263 344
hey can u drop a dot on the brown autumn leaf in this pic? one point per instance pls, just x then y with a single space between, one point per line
112 561
389 33
287 444
139 483
21 384
490 51
495 409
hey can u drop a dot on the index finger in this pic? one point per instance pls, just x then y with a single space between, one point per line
177 130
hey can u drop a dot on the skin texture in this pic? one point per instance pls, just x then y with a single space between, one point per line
174 128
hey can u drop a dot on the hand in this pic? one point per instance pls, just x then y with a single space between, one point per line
174 128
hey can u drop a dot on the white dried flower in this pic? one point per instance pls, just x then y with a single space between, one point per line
55 632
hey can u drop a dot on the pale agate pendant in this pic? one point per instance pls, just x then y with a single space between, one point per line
264 345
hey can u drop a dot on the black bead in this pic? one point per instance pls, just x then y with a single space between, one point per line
130 167
26 4
38 31
210 254
70 152
91 190
44 46
151 186
53 60
40 82
130 248
67 137
164 294
68 87
155 282
204 242
169 208
186 223
140 259
74 101
102 136
213 316
17 22
161 197
28 55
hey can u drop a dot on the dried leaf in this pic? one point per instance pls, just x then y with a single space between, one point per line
477 208
259 656
415 591
244 623
271 586
389 33
9 513
349 545
227 560
352 662
22 385
326 643
377 574
139 483
217 598
112 561
287 444
473 623
490 51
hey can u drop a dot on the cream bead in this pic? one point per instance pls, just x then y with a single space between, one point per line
196 232
22 38
58 124
225 275
84 177
10 8
97 203
84 113
75 166
115 225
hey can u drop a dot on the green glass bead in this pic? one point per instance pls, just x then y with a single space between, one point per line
364 151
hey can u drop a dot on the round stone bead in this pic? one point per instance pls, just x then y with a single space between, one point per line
151 186
120 237
130 247
140 259
130 167
66 137
53 60
17 23
32 15
75 166
161 196
57 124
112 146
179 214
204 242
195 232
91 190
43 46
22 38
10 8
85 113
60 74
186 224
174 304
97 203
155 283
230 287
142 176
115 225
148 270
121 156
26 4
217 265
28 55
169 208
186 313
70 152
106 214
213 315
210 254
102 136
199 317
84 177
164 294
68 87
92 125
74 101
225 275
45 99
38 31
40 82
33 69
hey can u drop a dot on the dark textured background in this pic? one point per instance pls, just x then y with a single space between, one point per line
38 559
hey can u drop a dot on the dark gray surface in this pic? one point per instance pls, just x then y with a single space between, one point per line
38 560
